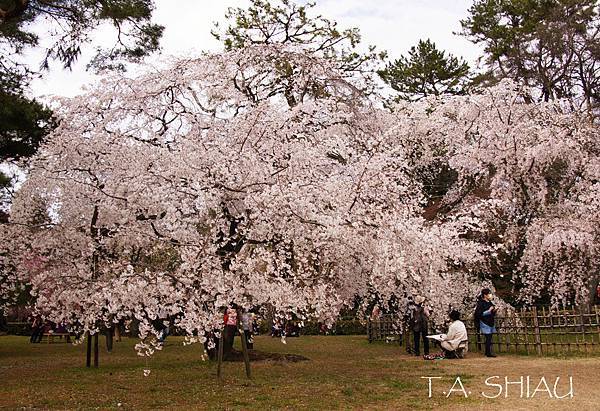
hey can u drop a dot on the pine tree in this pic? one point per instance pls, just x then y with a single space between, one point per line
552 46
426 71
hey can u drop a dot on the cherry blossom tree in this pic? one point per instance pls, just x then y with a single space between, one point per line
224 180
252 201
528 174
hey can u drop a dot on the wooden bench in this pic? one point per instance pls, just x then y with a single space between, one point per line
50 336
18 327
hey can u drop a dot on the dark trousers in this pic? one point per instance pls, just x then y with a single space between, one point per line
448 354
488 344
417 336
249 341
36 334
228 338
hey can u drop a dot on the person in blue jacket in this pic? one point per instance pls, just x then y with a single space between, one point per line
485 315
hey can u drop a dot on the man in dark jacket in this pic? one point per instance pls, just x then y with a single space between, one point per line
418 323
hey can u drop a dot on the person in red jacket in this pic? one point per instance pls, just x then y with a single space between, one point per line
230 320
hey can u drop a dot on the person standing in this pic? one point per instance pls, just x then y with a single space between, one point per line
419 320
164 332
231 327
485 315
161 325
247 325
37 330
375 322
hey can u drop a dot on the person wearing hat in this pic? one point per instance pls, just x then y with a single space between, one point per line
418 323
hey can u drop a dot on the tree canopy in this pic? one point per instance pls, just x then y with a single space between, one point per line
552 46
285 23
301 208
61 29
69 24
426 71
24 124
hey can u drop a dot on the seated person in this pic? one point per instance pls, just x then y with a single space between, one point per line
455 342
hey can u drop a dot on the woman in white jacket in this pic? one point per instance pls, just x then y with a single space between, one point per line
456 341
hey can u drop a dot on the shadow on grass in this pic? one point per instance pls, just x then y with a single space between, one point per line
238 356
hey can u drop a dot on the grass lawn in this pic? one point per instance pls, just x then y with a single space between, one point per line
343 372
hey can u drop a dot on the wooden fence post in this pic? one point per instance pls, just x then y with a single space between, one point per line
582 316
507 332
537 336
552 333
547 339
568 327
597 322
524 318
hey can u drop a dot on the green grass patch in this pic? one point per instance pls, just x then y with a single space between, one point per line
342 372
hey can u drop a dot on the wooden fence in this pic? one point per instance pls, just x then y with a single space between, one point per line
537 330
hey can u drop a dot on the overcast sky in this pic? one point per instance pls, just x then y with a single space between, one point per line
392 25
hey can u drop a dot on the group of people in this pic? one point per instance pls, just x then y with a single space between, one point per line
230 320
287 328
39 327
455 342
163 329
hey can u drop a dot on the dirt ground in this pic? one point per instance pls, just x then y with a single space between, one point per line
474 371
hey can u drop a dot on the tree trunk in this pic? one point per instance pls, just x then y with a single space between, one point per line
88 357
117 329
220 354
244 344
109 338
96 350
